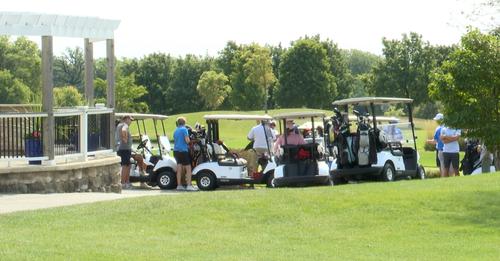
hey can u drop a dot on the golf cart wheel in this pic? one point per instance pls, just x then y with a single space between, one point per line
167 179
388 173
270 181
206 181
420 172
338 180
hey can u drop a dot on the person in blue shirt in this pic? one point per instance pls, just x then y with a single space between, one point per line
181 154
438 142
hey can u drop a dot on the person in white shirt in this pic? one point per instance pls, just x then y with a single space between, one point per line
262 137
449 137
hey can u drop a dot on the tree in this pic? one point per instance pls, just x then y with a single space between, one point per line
468 85
128 94
276 56
67 96
400 74
252 69
182 95
213 88
13 91
155 73
22 59
259 71
338 69
305 78
360 62
69 69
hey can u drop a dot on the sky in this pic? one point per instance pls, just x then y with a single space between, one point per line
204 27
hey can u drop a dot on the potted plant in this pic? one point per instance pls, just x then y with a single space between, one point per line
33 146
93 139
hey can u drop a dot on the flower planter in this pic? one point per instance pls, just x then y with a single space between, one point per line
33 148
93 141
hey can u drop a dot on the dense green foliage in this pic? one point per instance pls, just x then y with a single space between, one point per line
438 219
213 88
67 96
305 77
468 85
312 72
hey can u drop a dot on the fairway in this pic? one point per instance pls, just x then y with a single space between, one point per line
453 219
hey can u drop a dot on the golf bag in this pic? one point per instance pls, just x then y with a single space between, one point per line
366 142
343 140
472 157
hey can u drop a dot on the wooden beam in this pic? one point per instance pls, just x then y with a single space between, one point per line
48 97
110 97
89 72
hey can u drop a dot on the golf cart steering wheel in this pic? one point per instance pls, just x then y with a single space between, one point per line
142 144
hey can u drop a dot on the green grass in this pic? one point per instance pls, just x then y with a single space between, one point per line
438 219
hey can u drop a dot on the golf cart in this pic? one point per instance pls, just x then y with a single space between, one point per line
373 147
303 164
224 167
161 167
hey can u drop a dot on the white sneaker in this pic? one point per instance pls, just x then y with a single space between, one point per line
180 188
191 188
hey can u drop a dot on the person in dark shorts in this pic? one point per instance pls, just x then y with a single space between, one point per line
123 140
450 137
181 154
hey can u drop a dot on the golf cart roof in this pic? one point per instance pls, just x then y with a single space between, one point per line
300 115
237 117
374 100
141 116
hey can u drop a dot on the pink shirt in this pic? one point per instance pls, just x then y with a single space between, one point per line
292 139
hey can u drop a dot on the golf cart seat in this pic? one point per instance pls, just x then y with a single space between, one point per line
223 157
300 160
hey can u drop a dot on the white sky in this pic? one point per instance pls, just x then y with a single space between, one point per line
204 27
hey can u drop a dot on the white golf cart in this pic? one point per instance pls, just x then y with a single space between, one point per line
372 147
224 167
161 167
304 164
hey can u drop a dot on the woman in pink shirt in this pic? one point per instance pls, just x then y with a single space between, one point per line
293 137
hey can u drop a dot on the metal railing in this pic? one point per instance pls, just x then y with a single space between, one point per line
21 134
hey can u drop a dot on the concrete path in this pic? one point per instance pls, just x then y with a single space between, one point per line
21 202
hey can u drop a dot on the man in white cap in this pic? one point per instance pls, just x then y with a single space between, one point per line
438 142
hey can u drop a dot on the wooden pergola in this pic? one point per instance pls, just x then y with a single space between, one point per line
91 29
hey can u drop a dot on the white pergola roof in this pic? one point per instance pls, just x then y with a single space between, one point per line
13 23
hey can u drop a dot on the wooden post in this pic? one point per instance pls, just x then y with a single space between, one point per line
110 97
89 72
48 98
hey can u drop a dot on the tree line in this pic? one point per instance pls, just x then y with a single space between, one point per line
312 73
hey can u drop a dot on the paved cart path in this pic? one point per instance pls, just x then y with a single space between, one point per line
21 202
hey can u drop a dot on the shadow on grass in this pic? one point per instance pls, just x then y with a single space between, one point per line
482 209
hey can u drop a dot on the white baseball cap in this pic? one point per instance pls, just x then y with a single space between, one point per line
438 117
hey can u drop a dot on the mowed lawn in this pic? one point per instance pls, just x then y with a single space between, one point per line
439 219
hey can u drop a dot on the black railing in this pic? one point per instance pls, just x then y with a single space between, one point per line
67 135
21 136
98 129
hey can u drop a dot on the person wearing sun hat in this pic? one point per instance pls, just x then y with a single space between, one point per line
293 136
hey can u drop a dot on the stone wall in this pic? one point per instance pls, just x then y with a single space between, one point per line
98 175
